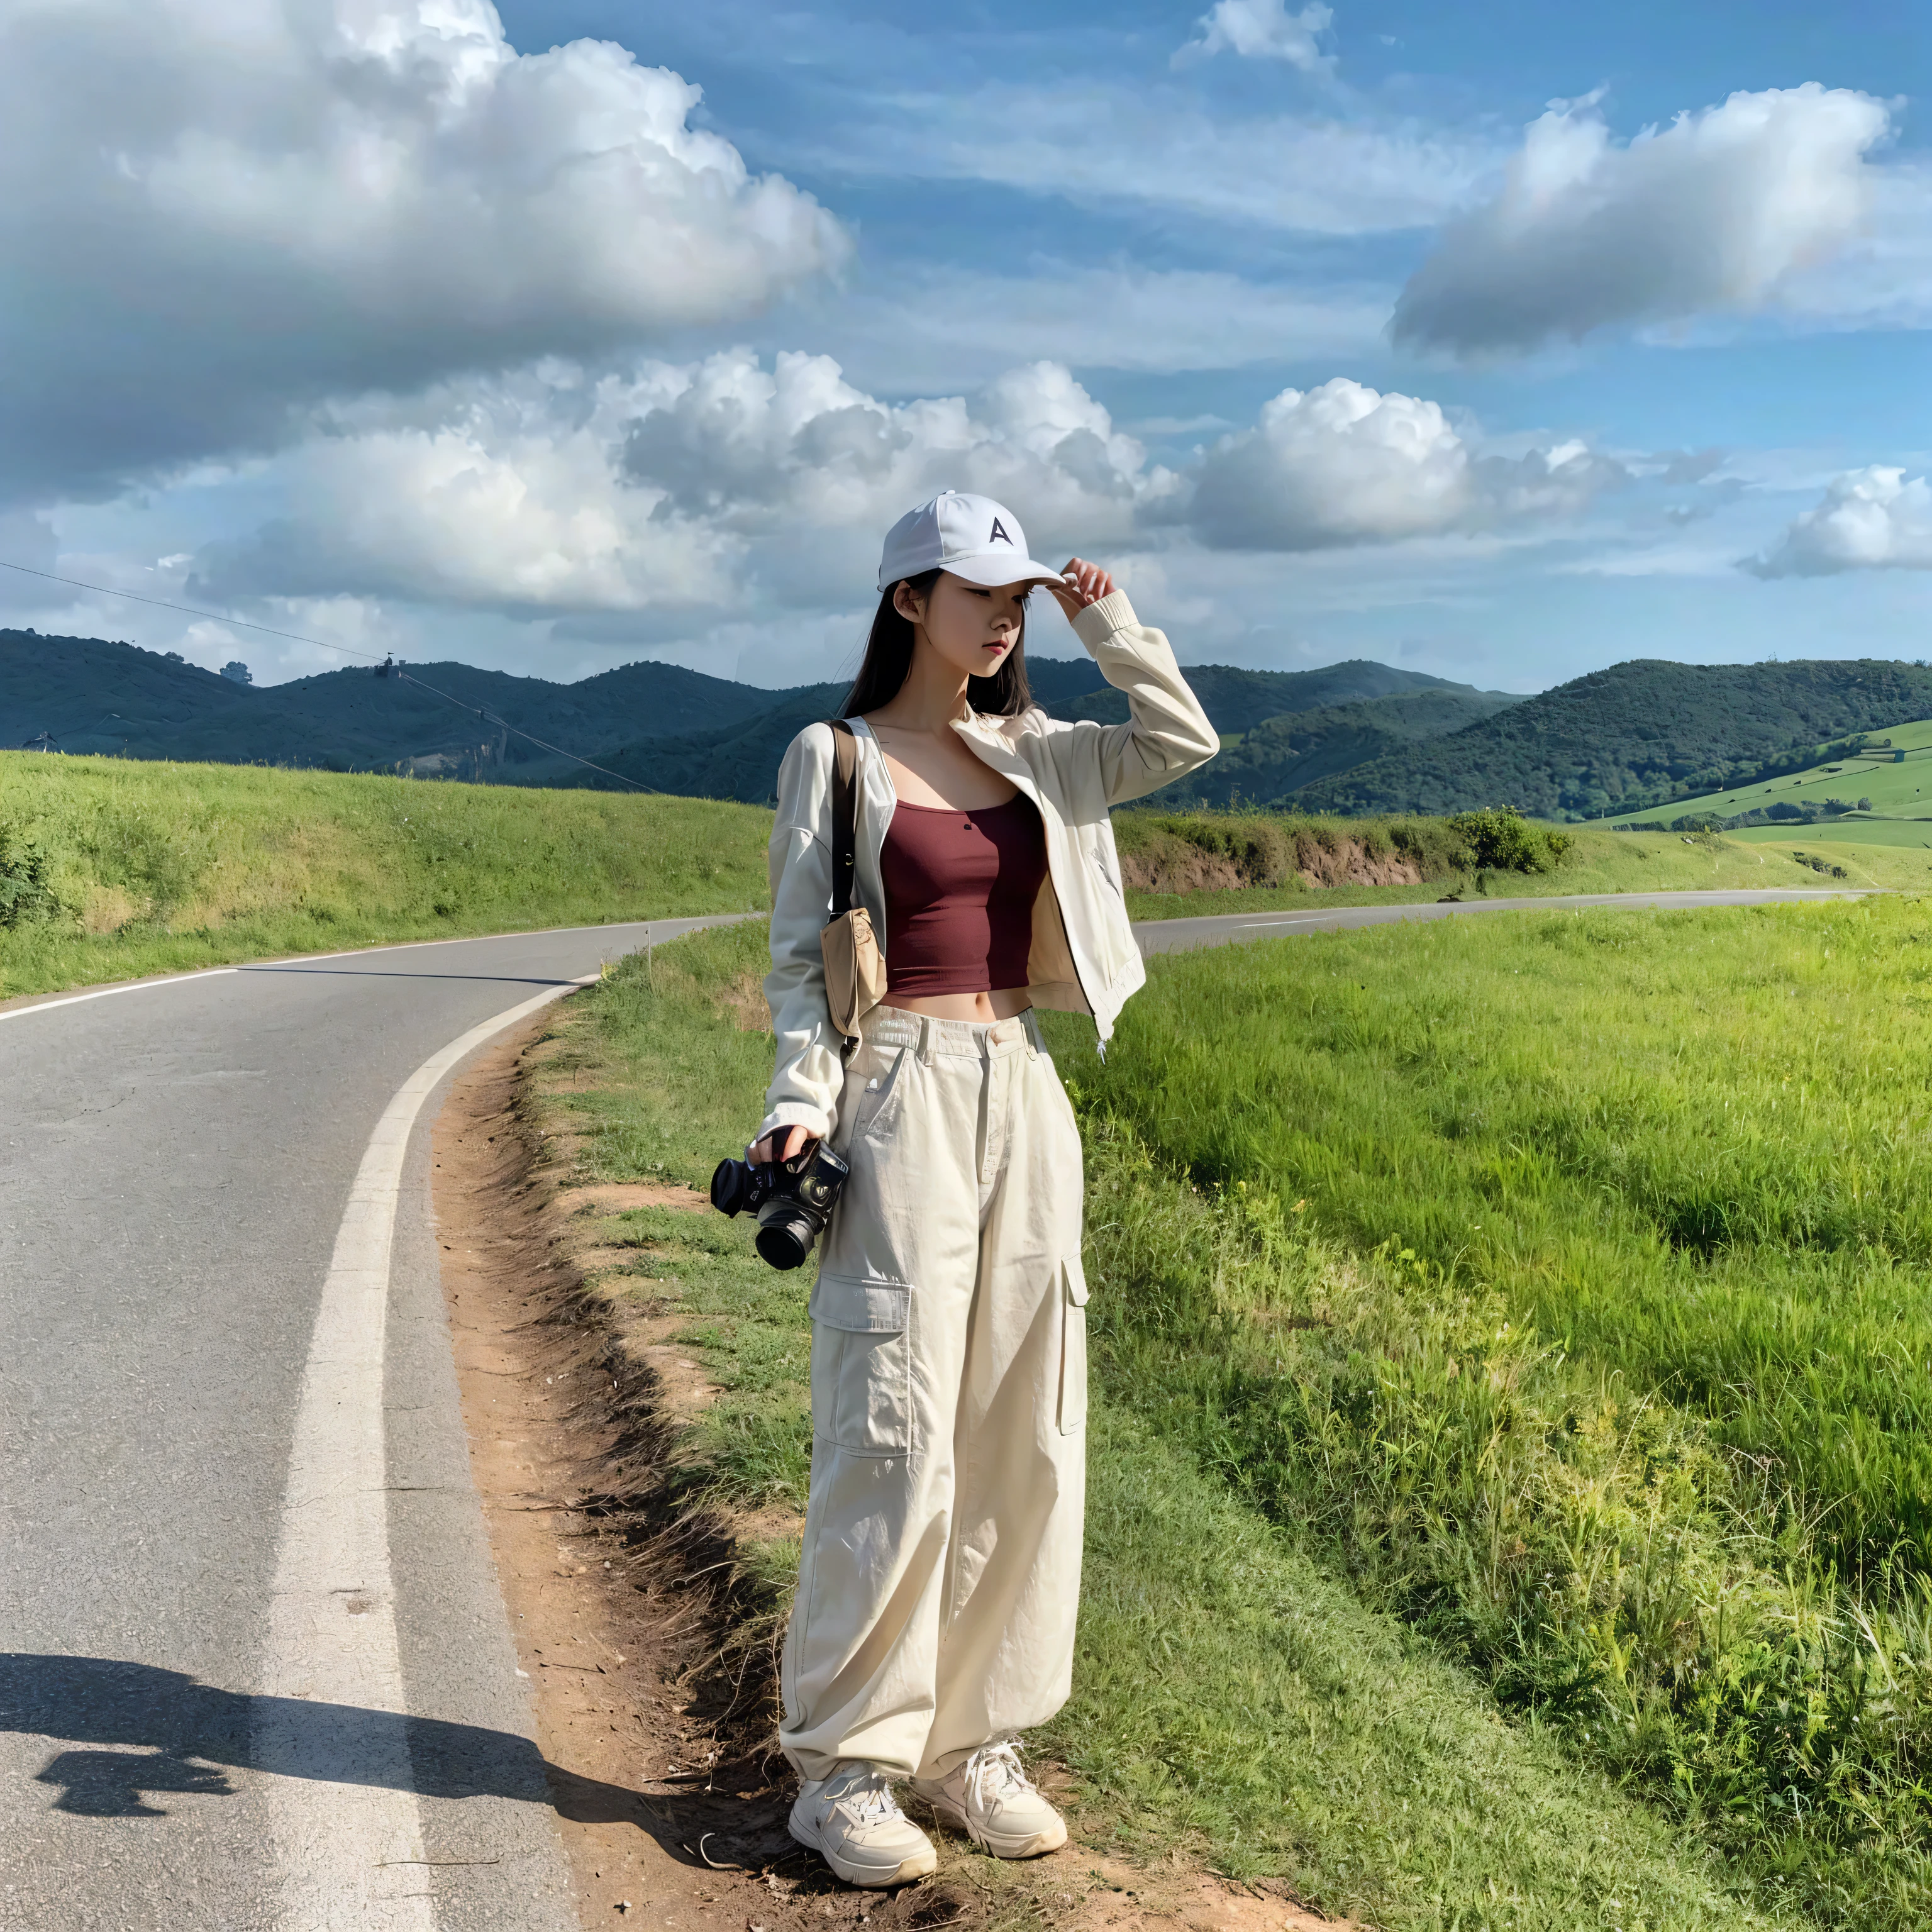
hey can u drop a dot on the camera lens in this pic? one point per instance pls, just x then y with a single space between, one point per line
730 1184
785 1236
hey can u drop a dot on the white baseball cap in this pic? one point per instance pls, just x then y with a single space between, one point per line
974 537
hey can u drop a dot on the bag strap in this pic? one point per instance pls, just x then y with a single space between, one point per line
844 835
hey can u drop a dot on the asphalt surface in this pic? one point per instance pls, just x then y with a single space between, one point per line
181 1163
174 1161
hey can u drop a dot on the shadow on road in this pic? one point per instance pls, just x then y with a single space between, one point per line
175 1736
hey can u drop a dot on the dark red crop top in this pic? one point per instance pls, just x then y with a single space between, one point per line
959 892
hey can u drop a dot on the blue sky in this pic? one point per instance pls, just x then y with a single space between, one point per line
1502 342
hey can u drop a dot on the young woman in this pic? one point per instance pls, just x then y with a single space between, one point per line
940 1576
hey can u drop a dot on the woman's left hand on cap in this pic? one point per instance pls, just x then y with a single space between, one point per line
1081 583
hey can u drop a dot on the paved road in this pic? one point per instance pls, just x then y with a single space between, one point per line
255 1671
1182 935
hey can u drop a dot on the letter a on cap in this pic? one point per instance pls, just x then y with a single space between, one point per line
999 533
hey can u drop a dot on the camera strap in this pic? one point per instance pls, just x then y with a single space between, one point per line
855 971
845 814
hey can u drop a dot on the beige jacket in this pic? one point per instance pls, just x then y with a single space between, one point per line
1084 958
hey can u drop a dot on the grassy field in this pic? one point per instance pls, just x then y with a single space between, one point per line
1893 853
111 868
1885 839
1622 1390
1902 788
1597 862
1912 836
1236 1700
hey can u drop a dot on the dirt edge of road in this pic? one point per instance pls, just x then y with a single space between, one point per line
672 1809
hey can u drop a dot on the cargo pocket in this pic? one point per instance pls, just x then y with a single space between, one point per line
1072 1349
862 1365
881 1100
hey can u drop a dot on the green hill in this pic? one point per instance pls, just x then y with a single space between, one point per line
741 760
1637 736
1268 764
92 695
1353 739
1237 700
657 725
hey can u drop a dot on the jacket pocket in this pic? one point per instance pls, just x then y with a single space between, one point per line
1107 861
1073 1348
862 1365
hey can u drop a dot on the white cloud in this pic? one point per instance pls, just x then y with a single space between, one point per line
1263 30
732 487
1343 464
721 485
1340 464
499 492
1883 277
1101 144
228 207
676 499
1716 212
1871 519
935 329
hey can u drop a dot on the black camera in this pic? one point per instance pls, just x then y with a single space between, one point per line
793 1199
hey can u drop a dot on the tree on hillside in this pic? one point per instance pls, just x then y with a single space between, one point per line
235 669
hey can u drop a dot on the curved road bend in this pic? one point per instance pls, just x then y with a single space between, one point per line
1182 935
255 1669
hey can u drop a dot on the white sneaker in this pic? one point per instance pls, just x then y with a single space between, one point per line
992 1799
853 1822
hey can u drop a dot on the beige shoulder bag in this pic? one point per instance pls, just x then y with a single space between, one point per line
855 972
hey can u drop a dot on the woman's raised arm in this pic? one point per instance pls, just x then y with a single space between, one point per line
1167 734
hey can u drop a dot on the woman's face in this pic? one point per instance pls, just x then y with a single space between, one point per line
973 629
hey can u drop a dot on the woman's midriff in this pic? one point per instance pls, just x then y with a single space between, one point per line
1006 1002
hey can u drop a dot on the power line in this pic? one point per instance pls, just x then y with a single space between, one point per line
295 637
188 609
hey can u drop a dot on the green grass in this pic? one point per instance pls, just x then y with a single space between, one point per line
1691 1146
1857 828
1892 852
1597 862
1230 1693
1618 1376
1234 1699
137 868
1892 787
665 1084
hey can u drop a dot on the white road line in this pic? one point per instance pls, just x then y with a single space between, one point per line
362 952
479 938
344 1823
108 992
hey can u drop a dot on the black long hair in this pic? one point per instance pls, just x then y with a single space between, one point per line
888 662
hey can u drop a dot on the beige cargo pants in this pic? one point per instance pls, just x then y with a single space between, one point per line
940 1576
